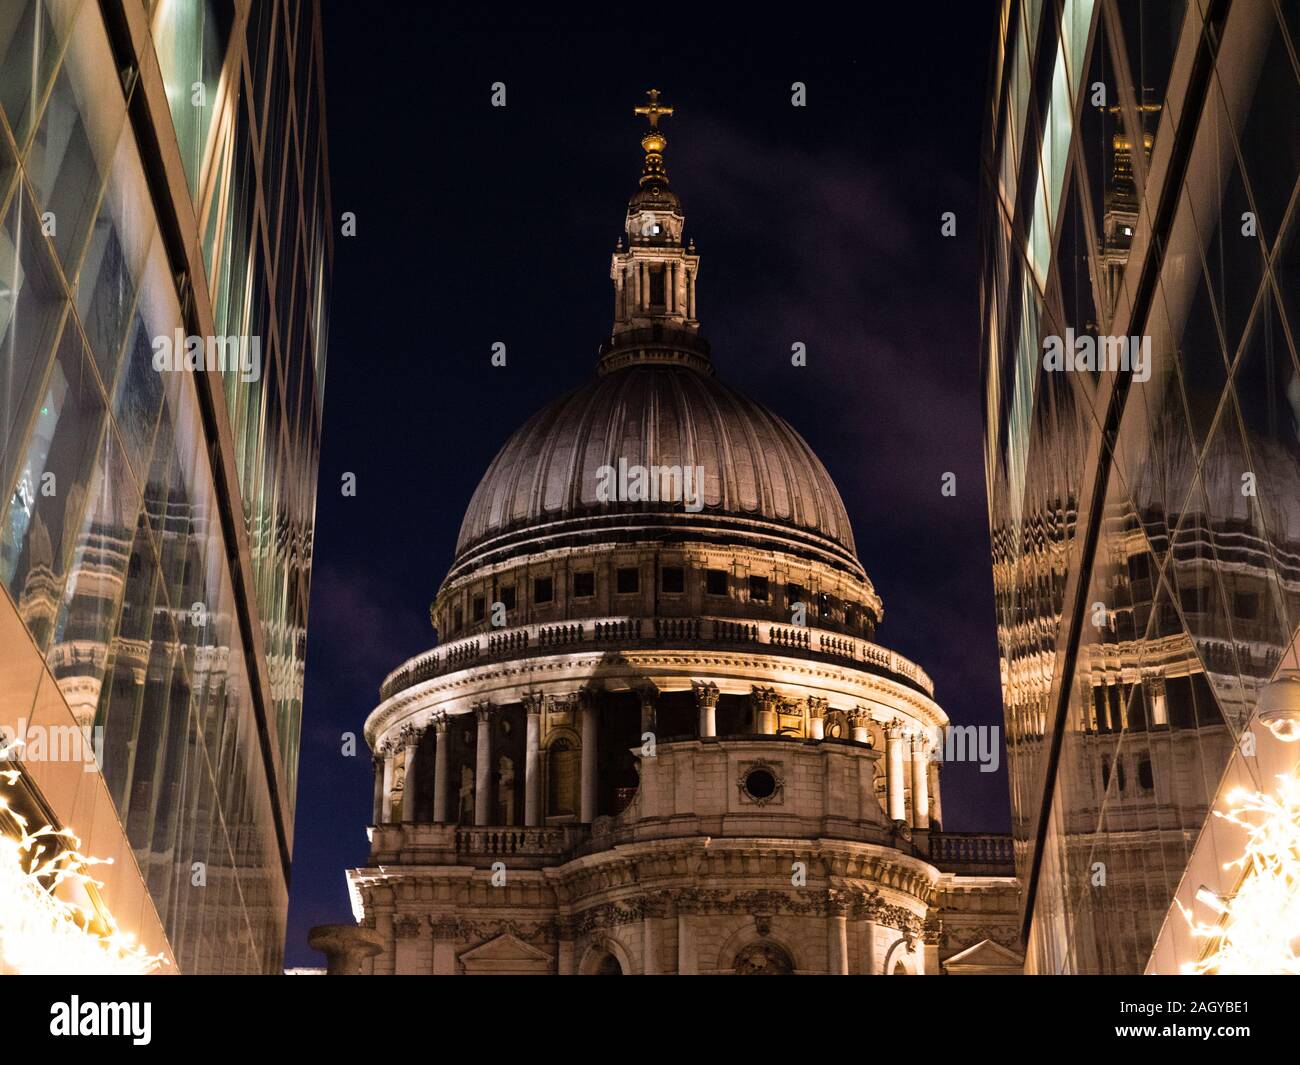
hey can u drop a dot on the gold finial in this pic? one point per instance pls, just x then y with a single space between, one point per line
653 109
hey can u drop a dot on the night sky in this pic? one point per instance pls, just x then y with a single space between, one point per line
477 224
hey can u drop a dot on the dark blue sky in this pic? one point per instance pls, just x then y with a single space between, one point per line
475 224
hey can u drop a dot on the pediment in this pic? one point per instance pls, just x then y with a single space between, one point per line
984 956
505 948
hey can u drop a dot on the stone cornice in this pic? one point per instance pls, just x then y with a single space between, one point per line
734 672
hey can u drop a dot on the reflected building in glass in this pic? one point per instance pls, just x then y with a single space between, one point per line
164 285
1140 165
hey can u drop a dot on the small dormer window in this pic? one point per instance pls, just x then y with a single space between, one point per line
654 230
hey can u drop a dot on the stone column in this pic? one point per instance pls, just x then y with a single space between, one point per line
680 307
411 737
377 803
837 936
859 725
816 718
440 769
533 761
894 772
386 807
645 285
909 792
706 700
620 306
765 701
590 739
938 796
920 782
483 765
690 296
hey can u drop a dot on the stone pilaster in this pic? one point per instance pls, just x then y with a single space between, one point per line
590 748
408 931
837 933
446 933
870 962
687 958
565 933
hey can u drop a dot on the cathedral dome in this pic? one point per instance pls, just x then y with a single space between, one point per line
655 490
761 481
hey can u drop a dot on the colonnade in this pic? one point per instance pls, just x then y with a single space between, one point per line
907 755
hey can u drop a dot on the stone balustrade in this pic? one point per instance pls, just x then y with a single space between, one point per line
632 631
989 853
432 843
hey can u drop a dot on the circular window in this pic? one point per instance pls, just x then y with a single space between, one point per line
760 783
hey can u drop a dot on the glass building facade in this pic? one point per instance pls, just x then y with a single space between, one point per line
1140 163
164 189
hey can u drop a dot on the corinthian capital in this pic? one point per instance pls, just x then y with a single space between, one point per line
706 693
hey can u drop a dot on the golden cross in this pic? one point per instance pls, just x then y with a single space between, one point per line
653 110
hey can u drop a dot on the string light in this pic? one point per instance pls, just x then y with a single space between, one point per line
1258 926
41 930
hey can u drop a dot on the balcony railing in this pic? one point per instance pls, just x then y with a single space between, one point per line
960 850
440 844
630 632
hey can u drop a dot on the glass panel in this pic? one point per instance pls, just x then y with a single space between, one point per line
110 275
70 156
44 514
31 304
32 36
190 37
